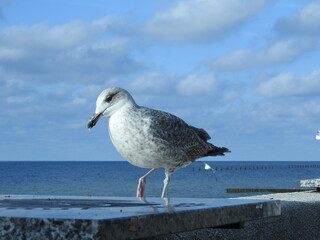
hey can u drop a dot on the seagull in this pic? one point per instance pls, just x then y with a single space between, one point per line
149 138
318 135
209 168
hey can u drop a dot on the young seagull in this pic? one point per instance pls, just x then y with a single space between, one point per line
318 135
149 138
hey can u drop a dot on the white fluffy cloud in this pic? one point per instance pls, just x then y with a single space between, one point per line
39 38
197 84
294 36
306 21
281 51
201 20
84 50
288 84
150 82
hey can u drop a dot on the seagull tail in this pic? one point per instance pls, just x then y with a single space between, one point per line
217 151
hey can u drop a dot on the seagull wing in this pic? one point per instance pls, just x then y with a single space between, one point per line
201 133
178 134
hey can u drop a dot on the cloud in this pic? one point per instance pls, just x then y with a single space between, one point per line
83 50
197 84
19 99
306 21
150 82
201 20
288 84
293 37
277 52
33 40
101 59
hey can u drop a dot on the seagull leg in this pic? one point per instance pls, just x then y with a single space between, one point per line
165 184
142 182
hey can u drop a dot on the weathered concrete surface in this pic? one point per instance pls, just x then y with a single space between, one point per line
300 214
47 217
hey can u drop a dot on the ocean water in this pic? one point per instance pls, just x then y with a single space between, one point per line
120 178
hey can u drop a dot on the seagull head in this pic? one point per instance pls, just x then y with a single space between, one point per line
108 102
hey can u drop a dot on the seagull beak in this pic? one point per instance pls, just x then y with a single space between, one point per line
93 120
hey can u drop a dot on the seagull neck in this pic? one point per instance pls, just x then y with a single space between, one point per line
131 101
129 105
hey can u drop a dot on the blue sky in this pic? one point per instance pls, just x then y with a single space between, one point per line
246 71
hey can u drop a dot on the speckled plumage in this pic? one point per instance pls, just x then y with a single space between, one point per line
151 138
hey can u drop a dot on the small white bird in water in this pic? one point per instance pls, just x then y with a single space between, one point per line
207 167
318 135
150 138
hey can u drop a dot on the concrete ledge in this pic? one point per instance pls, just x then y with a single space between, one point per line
299 220
56 217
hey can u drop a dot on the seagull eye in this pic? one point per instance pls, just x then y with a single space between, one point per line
109 99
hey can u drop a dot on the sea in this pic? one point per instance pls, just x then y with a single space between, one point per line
119 178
